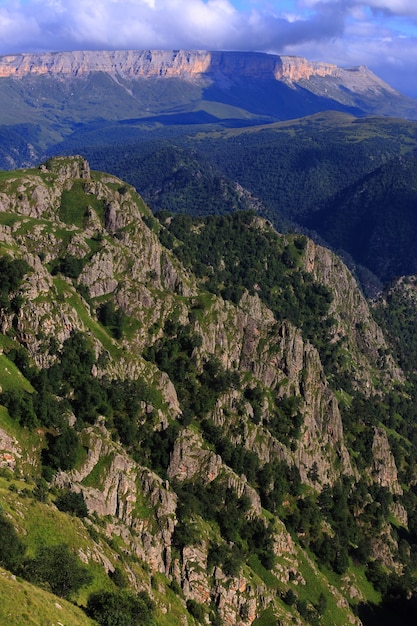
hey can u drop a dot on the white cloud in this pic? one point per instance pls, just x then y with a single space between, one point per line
339 31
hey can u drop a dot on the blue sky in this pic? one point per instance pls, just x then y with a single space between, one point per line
381 34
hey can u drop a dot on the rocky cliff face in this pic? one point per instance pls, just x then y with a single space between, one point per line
163 502
191 65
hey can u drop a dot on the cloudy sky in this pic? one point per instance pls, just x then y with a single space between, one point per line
381 34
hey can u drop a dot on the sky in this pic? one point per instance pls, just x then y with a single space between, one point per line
381 34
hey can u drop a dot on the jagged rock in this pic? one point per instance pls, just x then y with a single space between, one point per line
384 469
354 327
191 65
124 263
68 168
237 601
189 459
195 581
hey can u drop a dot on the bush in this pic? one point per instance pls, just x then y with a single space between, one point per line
69 266
12 548
120 608
111 317
119 577
59 568
71 502
196 610
62 450
20 406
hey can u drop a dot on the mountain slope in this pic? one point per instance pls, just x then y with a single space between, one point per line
204 409
374 220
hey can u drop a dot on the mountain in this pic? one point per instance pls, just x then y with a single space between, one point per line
200 422
45 98
326 175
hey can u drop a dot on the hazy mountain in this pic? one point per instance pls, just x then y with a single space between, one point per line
307 174
58 94
375 219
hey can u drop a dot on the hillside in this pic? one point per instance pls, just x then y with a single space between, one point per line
201 421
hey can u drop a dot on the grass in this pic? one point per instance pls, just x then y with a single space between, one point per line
11 377
8 219
267 618
96 329
6 422
265 575
74 204
315 585
23 604
163 594
97 475
29 446
41 524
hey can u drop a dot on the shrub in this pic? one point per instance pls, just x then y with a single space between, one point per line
12 548
120 608
62 450
71 502
196 610
59 568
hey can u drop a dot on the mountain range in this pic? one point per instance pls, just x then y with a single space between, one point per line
207 416
45 98
184 126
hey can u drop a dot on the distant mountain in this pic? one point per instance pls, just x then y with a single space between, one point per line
57 94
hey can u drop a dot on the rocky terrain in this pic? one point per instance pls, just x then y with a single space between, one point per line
207 479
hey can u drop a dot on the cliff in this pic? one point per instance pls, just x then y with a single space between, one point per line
191 65
76 97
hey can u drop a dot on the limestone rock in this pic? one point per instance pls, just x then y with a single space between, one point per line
384 468
189 459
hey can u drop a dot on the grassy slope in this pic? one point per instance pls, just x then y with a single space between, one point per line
23 604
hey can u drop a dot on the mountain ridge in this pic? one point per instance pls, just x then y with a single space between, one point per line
164 63
48 98
217 413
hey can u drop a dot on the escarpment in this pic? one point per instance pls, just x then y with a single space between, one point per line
191 65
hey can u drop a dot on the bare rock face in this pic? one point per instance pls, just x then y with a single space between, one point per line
355 328
10 451
188 64
189 459
195 580
32 197
278 356
115 493
124 262
237 600
68 168
384 468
